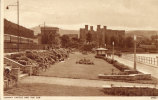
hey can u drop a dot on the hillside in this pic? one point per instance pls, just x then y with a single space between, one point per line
144 33
61 31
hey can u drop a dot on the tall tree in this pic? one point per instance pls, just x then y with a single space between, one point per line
65 41
129 42
89 37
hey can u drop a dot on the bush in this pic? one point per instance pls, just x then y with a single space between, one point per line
14 56
31 56
24 58
23 62
28 51
120 66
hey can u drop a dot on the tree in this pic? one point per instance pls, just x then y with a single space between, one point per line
121 41
65 41
129 42
115 40
89 37
50 39
106 39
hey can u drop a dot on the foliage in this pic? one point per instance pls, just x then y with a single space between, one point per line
51 39
129 42
89 37
65 41
88 47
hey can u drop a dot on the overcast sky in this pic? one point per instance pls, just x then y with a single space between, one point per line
74 14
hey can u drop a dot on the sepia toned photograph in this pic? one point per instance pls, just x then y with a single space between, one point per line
80 48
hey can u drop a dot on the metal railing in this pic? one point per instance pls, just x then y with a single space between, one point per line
142 59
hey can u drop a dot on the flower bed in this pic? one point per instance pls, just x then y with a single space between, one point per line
38 59
130 91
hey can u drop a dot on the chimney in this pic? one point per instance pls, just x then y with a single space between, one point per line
91 28
98 27
86 27
104 27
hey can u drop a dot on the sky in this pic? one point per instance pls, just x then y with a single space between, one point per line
74 14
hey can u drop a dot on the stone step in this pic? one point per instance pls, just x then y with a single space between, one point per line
21 72
23 75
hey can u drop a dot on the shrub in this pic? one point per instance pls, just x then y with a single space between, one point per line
31 56
23 62
14 56
120 66
24 58
28 51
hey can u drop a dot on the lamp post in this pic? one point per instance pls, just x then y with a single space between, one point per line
105 47
43 26
17 5
42 35
135 52
113 50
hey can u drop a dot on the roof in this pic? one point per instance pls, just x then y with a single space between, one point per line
49 28
101 49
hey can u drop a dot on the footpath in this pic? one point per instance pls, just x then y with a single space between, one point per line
77 82
140 67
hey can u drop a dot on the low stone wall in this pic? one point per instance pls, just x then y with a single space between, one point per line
131 77
143 76
12 78
9 84
13 63
131 72
130 91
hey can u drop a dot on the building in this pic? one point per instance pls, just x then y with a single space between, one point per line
12 29
17 38
50 35
101 35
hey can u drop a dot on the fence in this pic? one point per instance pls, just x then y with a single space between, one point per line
142 59
13 47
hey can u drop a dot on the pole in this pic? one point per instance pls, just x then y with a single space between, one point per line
134 52
113 50
18 25
44 36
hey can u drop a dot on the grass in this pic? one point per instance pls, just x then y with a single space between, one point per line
69 68
52 90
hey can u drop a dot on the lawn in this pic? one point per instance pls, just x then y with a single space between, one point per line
52 90
69 68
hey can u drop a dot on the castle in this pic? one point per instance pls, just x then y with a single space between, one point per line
101 35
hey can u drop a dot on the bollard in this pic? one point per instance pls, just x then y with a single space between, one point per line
149 60
154 61
29 69
157 60
15 72
144 59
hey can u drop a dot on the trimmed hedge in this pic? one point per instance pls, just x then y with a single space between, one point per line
120 66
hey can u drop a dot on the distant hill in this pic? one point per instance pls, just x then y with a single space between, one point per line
144 33
61 31
36 30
